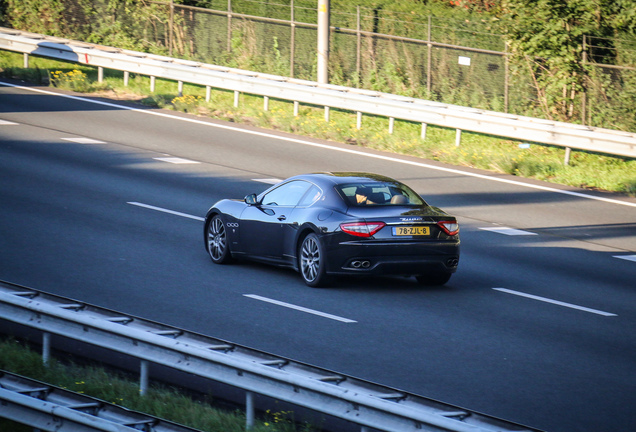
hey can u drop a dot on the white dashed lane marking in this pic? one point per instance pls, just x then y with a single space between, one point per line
163 210
271 181
556 302
299 308
626 257
509 231
7 123
84 141
176 160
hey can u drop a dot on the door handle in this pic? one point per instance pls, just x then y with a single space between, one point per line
282 218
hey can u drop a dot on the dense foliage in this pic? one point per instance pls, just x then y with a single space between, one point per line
547 73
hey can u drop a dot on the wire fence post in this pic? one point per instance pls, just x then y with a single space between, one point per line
249 410
46 348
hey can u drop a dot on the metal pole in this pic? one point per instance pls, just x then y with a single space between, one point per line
249 410
428 59
171 29
100 74
26 60
423 135
229 25
46 348
507 80
584 94
143 378
358 48
458 137
293 42
323 41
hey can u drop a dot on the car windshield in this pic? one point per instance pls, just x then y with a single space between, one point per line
381 193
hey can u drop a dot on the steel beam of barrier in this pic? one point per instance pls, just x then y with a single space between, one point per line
308 92
327 392
50 408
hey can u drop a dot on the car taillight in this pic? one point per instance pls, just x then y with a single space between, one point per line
449 227
362 229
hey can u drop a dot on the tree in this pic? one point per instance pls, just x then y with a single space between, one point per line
546 37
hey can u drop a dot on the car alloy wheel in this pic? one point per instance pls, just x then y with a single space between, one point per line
217 241
312 266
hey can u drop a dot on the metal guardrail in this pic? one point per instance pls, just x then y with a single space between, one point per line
50 408
561 134
361 402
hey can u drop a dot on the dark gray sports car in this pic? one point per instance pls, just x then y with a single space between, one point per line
330 224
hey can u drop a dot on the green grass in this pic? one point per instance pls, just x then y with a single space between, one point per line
118 388
585 170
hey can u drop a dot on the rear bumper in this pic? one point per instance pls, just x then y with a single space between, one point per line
392 258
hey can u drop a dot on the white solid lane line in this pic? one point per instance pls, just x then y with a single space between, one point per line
185 215
299 308
556 302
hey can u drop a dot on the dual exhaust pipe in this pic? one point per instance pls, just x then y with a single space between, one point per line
361 264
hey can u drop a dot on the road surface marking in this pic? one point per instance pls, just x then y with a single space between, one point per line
7 123
271 181
299 308
176 160
84 141
166 211
509 231
330 147
556 302
626 257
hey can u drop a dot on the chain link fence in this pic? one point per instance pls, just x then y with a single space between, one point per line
441 59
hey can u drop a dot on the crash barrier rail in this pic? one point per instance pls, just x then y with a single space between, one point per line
361 402
49 408
360 101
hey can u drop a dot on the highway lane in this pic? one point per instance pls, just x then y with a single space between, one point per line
68 228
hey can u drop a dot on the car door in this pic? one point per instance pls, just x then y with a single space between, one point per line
263 225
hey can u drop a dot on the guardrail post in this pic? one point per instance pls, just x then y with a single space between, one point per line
266 103
100 74
46 348
152 84
236 98
566 161
423 135
296 104
180 88
208 93
327 114
26 60
391 124
359 121
126 78
458 137
143 377
249 410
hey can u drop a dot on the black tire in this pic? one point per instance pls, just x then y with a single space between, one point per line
217 242
311 262
433 279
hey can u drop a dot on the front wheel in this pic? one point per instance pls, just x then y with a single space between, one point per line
216 240
433 279
311 261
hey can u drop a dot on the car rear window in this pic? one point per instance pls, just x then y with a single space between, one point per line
379 194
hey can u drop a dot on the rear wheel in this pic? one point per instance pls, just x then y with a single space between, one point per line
217 241
433 279
311 261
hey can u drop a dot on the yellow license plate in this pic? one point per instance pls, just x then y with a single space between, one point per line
412 231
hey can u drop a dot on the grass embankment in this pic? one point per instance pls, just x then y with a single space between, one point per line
117 388
585 170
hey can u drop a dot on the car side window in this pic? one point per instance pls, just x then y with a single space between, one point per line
286 195
310 197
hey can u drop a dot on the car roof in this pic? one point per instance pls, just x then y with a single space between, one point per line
336 178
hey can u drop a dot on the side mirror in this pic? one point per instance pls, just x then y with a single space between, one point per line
250 199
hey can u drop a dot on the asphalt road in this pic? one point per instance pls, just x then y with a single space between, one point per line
104 204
